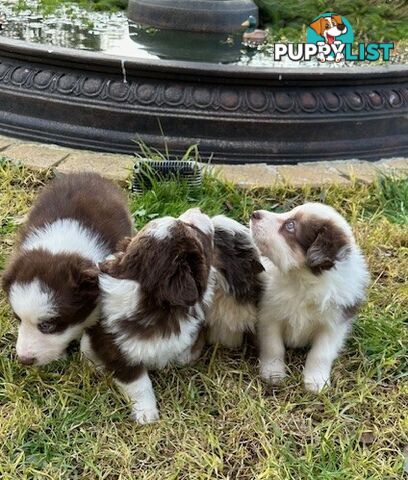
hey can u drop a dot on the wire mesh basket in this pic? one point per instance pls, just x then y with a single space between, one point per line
148 172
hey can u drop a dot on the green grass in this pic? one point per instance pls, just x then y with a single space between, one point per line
49 6
219 421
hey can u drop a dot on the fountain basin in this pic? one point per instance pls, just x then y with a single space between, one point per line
216 16
235 114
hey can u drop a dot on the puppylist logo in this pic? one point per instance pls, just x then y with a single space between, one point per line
330 38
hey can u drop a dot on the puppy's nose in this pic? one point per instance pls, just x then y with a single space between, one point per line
257 215
26 360
341 26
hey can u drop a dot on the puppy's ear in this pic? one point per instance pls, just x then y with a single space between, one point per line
337 19
317 26
181 289
6 278
123 244
324 251
319 256
109 266
6 281
84 280
186 285
88 277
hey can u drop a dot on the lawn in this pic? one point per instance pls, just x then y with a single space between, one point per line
219 421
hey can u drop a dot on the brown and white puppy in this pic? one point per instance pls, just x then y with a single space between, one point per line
316 280
52 279
238 283
153 300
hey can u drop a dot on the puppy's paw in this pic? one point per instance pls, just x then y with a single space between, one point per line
315 381
273 372
145 416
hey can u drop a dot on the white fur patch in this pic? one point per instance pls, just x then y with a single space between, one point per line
161 228
67 235
227 313
227 319
44 348
32 301
271 243
232 226
141 393
119 297
323 211
200 220
302 301
211 285
156 352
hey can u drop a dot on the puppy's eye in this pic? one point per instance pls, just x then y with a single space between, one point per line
290 226
47 326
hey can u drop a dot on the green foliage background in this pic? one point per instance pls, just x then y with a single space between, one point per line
372 20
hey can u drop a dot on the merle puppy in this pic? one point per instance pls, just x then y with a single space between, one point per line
238 283
154 294
51 280
316 279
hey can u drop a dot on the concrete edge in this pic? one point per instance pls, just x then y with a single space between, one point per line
61 160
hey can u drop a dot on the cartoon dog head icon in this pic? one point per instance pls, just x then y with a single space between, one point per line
329 28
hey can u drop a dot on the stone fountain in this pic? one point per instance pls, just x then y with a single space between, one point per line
210 30
212 16
234 113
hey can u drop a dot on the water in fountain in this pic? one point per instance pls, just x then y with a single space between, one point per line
72 26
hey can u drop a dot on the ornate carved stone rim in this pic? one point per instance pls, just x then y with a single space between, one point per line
101 62
236 114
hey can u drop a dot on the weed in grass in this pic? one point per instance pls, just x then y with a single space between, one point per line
218 419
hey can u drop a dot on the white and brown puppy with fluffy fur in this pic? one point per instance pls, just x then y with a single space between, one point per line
153 300
238 283
52 279
316 281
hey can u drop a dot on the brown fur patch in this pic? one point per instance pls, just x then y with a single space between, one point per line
319 239
87 197
72 278
104 346
172 274
99 206
173 271
238 260
351 311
